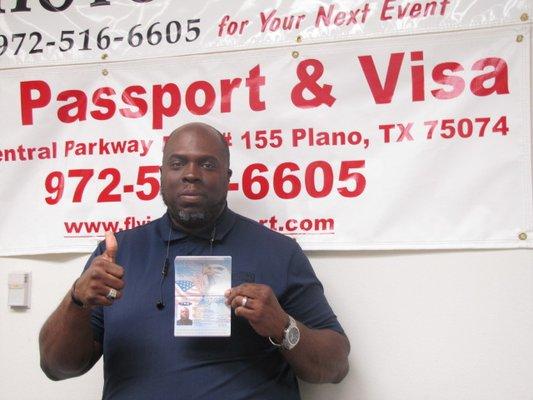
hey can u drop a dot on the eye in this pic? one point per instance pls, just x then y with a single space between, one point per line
209 164
175 164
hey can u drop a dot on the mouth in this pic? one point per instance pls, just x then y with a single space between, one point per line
191 196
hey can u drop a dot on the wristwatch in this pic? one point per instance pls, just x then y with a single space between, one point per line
291 336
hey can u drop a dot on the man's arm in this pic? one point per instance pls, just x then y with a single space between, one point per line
66 343
320 356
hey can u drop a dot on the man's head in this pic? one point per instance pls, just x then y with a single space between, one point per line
184 313
195 175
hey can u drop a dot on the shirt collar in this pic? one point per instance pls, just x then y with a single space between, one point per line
221 228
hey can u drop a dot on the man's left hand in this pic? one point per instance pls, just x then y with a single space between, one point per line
259 305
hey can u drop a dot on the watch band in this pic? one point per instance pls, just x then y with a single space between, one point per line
283 337
76 301
288 342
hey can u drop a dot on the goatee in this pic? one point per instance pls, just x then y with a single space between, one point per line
192 220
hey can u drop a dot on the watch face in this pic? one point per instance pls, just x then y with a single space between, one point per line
293 335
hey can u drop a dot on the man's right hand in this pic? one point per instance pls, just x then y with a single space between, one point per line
103 274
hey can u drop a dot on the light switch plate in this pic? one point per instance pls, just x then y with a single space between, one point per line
19 288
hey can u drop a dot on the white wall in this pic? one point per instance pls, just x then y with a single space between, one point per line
423 325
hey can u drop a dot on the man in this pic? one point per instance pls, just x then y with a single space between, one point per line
282 325
184 317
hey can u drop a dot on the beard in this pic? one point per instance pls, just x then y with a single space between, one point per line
193 219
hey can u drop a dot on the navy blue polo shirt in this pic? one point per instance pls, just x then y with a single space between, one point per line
143 359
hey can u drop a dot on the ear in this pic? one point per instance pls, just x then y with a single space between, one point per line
230 172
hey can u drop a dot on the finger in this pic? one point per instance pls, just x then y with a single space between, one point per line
234 296
244 289
239 302
244 312
111 246
104 292
98 298
118 294
103 301
113 282
115 270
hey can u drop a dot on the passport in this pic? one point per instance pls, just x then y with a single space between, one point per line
200 308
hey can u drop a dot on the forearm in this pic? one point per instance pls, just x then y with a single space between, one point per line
321 355
66 342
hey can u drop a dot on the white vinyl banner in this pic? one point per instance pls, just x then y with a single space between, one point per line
401 143
47 32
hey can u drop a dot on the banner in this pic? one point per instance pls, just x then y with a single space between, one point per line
406 143
48 32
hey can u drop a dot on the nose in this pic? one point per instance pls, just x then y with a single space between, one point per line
191 173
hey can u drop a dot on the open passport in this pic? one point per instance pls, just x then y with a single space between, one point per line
200 283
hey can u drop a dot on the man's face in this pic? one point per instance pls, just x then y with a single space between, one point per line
184 313
194 178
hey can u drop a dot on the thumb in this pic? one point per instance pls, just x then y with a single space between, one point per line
111 246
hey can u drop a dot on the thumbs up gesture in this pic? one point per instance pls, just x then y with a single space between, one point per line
102 282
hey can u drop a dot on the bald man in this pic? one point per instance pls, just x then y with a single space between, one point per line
282 324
